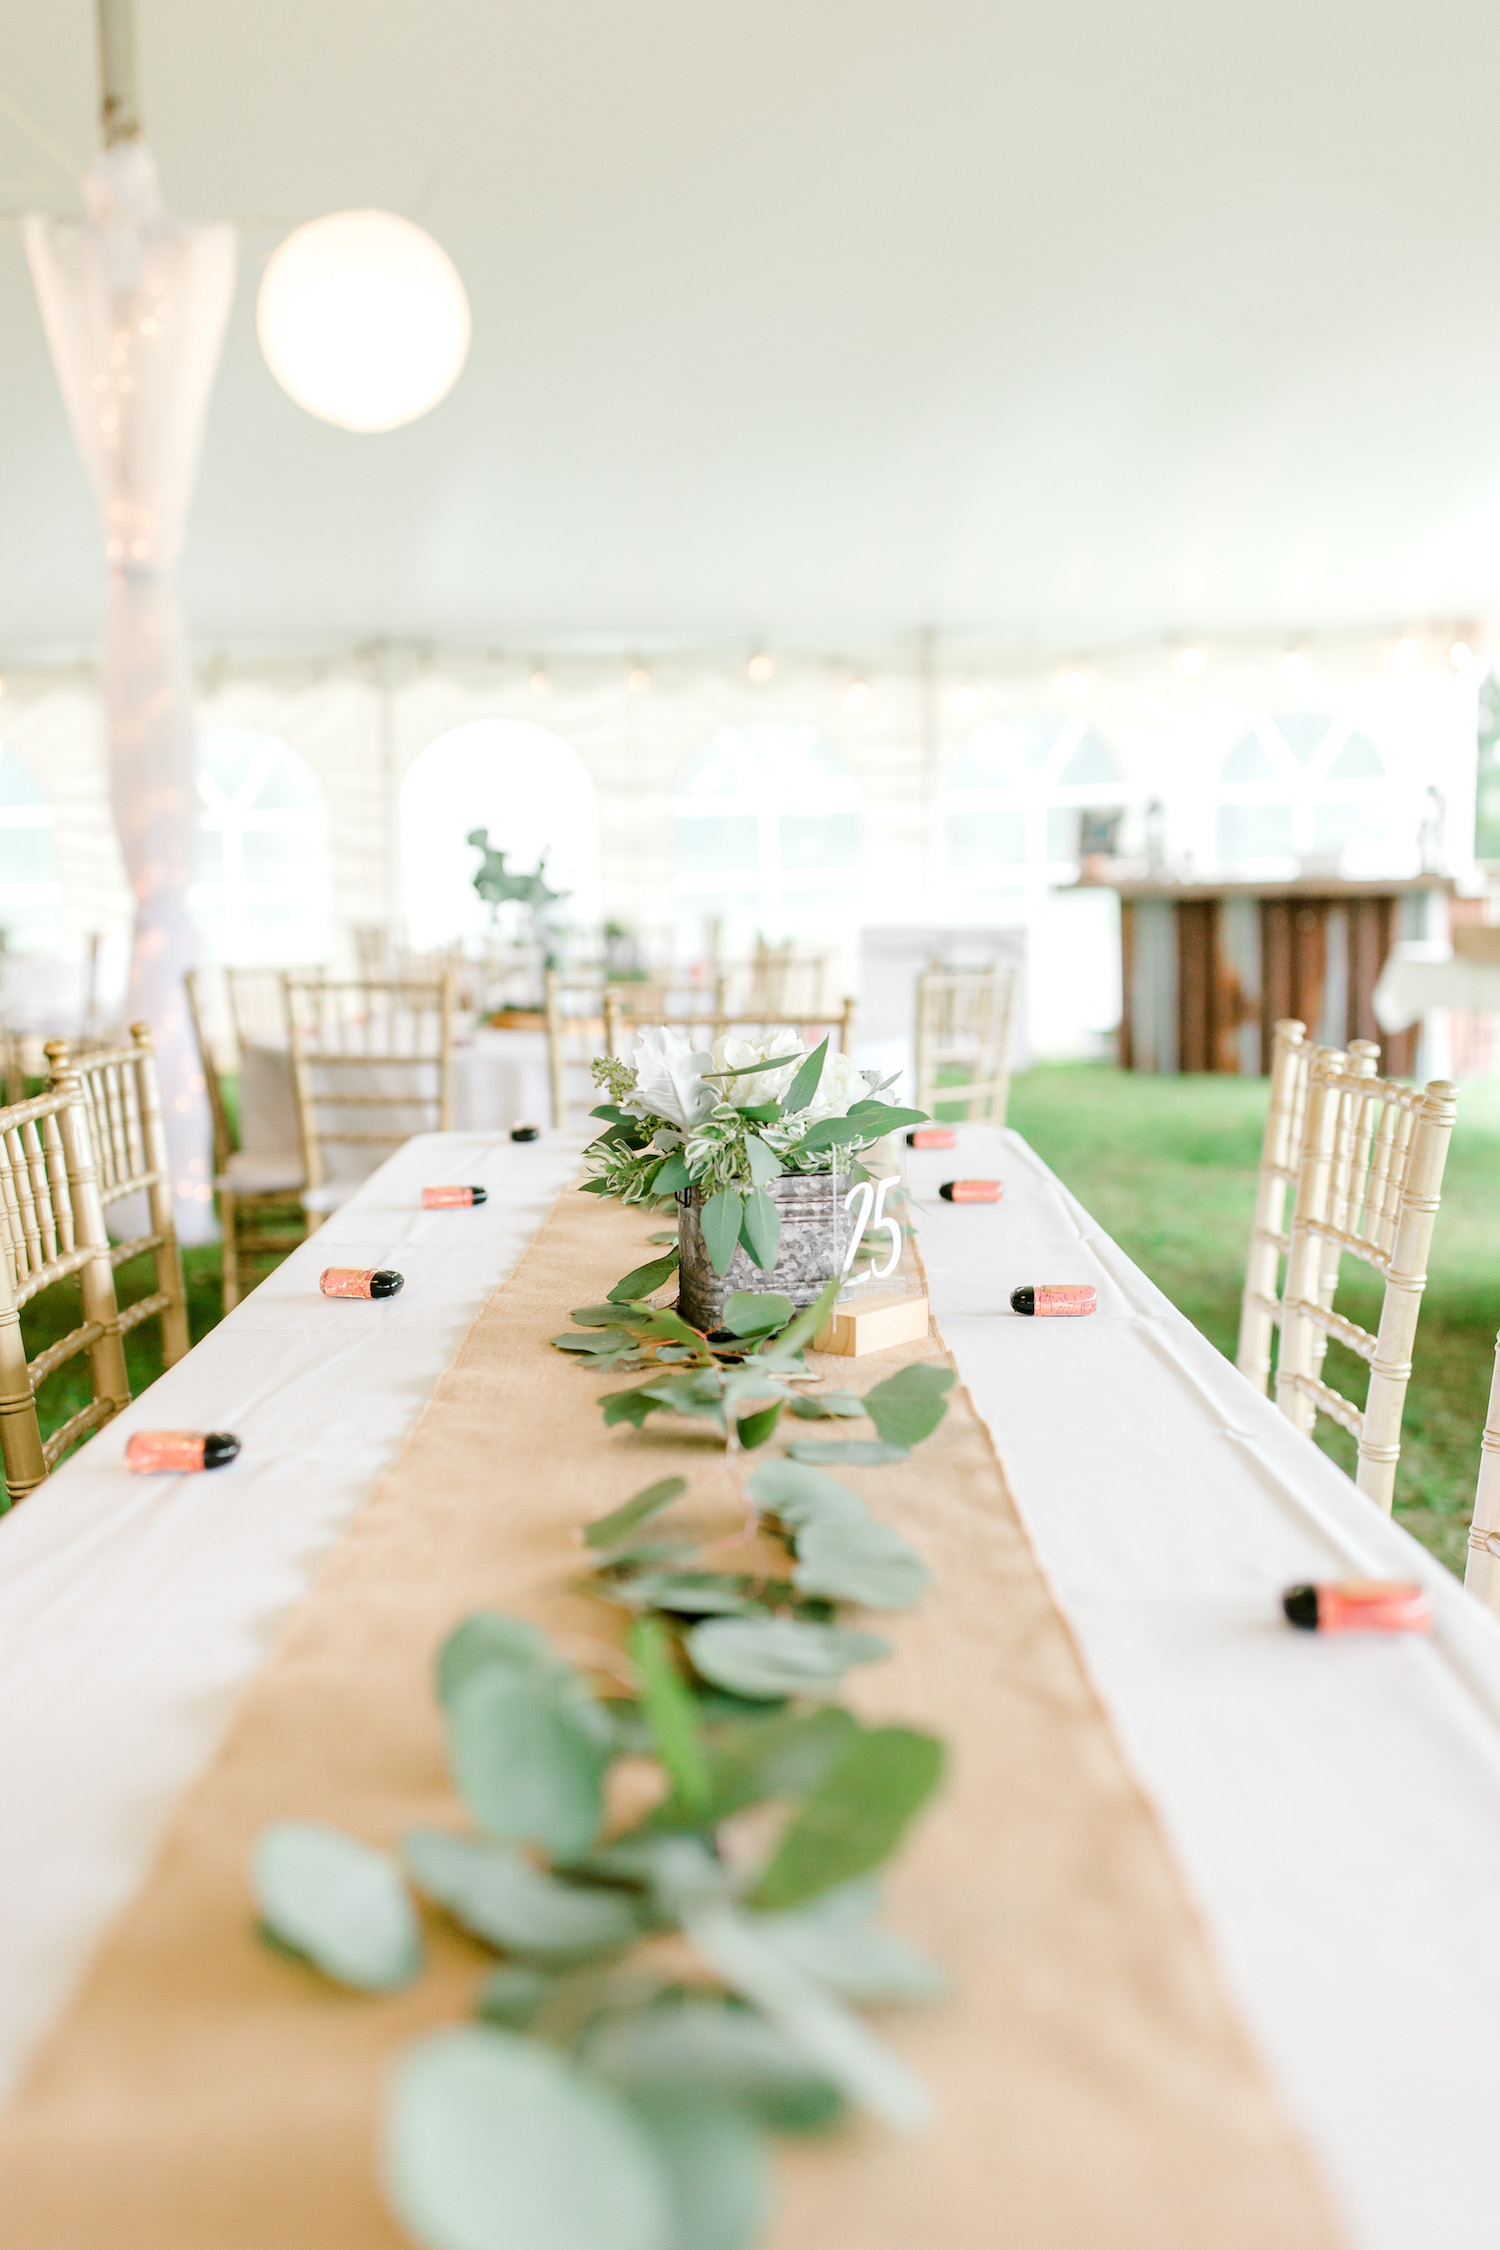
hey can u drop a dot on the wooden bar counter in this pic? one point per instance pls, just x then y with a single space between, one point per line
1208 968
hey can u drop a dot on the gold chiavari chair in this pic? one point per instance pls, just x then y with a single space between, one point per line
963 1023
259 1194
1368 1187
1482 1570
1292 1058
123 1101
52 1228
576 1033
372 1065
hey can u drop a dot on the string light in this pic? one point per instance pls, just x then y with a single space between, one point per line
539 681
857 694
1190 662
760 667
638 679
1462 654
1076 684
1407 652
967 700
1296 664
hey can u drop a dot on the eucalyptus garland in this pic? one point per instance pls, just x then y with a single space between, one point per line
671 1988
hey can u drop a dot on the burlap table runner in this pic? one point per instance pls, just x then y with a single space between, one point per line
1095 2091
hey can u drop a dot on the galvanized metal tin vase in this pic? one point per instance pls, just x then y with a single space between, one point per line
814 1232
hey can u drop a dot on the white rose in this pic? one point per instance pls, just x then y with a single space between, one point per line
734 1053
669 1078
839 1088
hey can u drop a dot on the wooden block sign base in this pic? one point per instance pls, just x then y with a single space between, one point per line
857 1330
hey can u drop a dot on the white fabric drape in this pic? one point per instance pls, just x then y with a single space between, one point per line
135 305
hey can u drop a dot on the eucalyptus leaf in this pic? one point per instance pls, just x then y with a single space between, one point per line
755 1312
720 1222
697 2047
836 1940
856 1559
670 1179
594 1340
490 1637
760 1228
780 1754
599 1316
608 1531
765 1164
800 1494
909 1405
703 1593
847 1453
765 1658
748 1070
502 1898
809 1321
670 1712
338 1903
668 1235
805 1084
876 1119
754 1430
718 2177
528 1763
629 1406
642 1280
513 1994
830 1406
830 1132
817 2024
855 1818
495 2142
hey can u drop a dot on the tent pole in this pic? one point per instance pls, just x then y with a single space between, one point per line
117 74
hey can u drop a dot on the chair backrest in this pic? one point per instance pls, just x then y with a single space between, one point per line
371 1064
259 1012
226 1141
775 983
1482 1570
576 1032
52 1227
963 1025
1368 1187
1292 1058
123 1101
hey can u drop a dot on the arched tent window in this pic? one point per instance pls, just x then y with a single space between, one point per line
1304 786
262 891
29 892
768 835
1016 798
533 793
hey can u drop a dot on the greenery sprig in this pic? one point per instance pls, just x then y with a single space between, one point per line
670 1987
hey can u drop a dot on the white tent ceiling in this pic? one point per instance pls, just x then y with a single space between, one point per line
822 318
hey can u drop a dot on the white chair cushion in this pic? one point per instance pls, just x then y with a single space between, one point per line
253 1174
329 1196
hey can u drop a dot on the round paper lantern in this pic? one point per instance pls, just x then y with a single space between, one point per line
363 319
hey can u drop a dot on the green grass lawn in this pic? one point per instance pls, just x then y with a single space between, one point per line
1167 1165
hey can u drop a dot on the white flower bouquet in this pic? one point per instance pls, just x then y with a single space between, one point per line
728 1121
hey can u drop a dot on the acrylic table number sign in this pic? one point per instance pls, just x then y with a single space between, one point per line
883 1300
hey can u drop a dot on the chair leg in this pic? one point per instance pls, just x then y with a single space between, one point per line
229 1222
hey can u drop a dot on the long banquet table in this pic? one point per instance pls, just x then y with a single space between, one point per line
1334 1807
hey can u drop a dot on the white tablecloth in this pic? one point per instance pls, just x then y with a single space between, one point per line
1335 1805
499 1079
133 1610
1416 978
